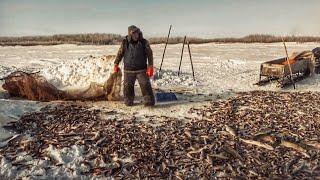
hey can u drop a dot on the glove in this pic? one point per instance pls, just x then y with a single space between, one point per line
150 71
116 68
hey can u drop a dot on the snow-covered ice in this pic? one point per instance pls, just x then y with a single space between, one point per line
220 70
218 67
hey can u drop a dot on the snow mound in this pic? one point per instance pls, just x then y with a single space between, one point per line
79 73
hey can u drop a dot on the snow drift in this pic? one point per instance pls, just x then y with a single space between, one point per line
79 73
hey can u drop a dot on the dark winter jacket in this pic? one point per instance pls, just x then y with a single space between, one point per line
135 55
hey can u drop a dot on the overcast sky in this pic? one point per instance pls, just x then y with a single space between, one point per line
201 18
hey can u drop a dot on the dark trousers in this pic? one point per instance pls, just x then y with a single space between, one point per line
145 86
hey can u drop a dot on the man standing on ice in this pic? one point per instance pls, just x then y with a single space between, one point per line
136 51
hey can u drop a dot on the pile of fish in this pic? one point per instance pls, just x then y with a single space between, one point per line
255 134
275 134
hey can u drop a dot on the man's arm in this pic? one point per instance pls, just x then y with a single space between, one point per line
149 53
119 54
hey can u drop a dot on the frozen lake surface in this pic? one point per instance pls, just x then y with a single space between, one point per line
220 71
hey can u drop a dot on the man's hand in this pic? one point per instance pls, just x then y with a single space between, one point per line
150 71
116 68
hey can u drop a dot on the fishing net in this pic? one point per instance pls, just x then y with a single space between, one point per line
33 86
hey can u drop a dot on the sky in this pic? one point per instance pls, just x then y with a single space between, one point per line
194 18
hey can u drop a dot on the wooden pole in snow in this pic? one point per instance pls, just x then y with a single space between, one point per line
285 48
184 41
191 60
165 47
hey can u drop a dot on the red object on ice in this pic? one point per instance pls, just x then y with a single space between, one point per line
150 71
290 61
116 68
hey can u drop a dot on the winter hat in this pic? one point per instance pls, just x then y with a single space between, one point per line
133 28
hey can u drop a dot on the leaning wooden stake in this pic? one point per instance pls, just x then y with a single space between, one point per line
191 60
165 47
184 41
285 48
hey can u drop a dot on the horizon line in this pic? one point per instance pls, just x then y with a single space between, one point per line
213 37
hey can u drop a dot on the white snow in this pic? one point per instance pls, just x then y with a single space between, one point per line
169 79
218 67
220 70
11 110
69 161
78 73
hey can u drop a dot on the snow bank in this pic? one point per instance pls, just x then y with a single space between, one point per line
79 73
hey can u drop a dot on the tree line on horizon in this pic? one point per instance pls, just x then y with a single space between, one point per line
112 39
